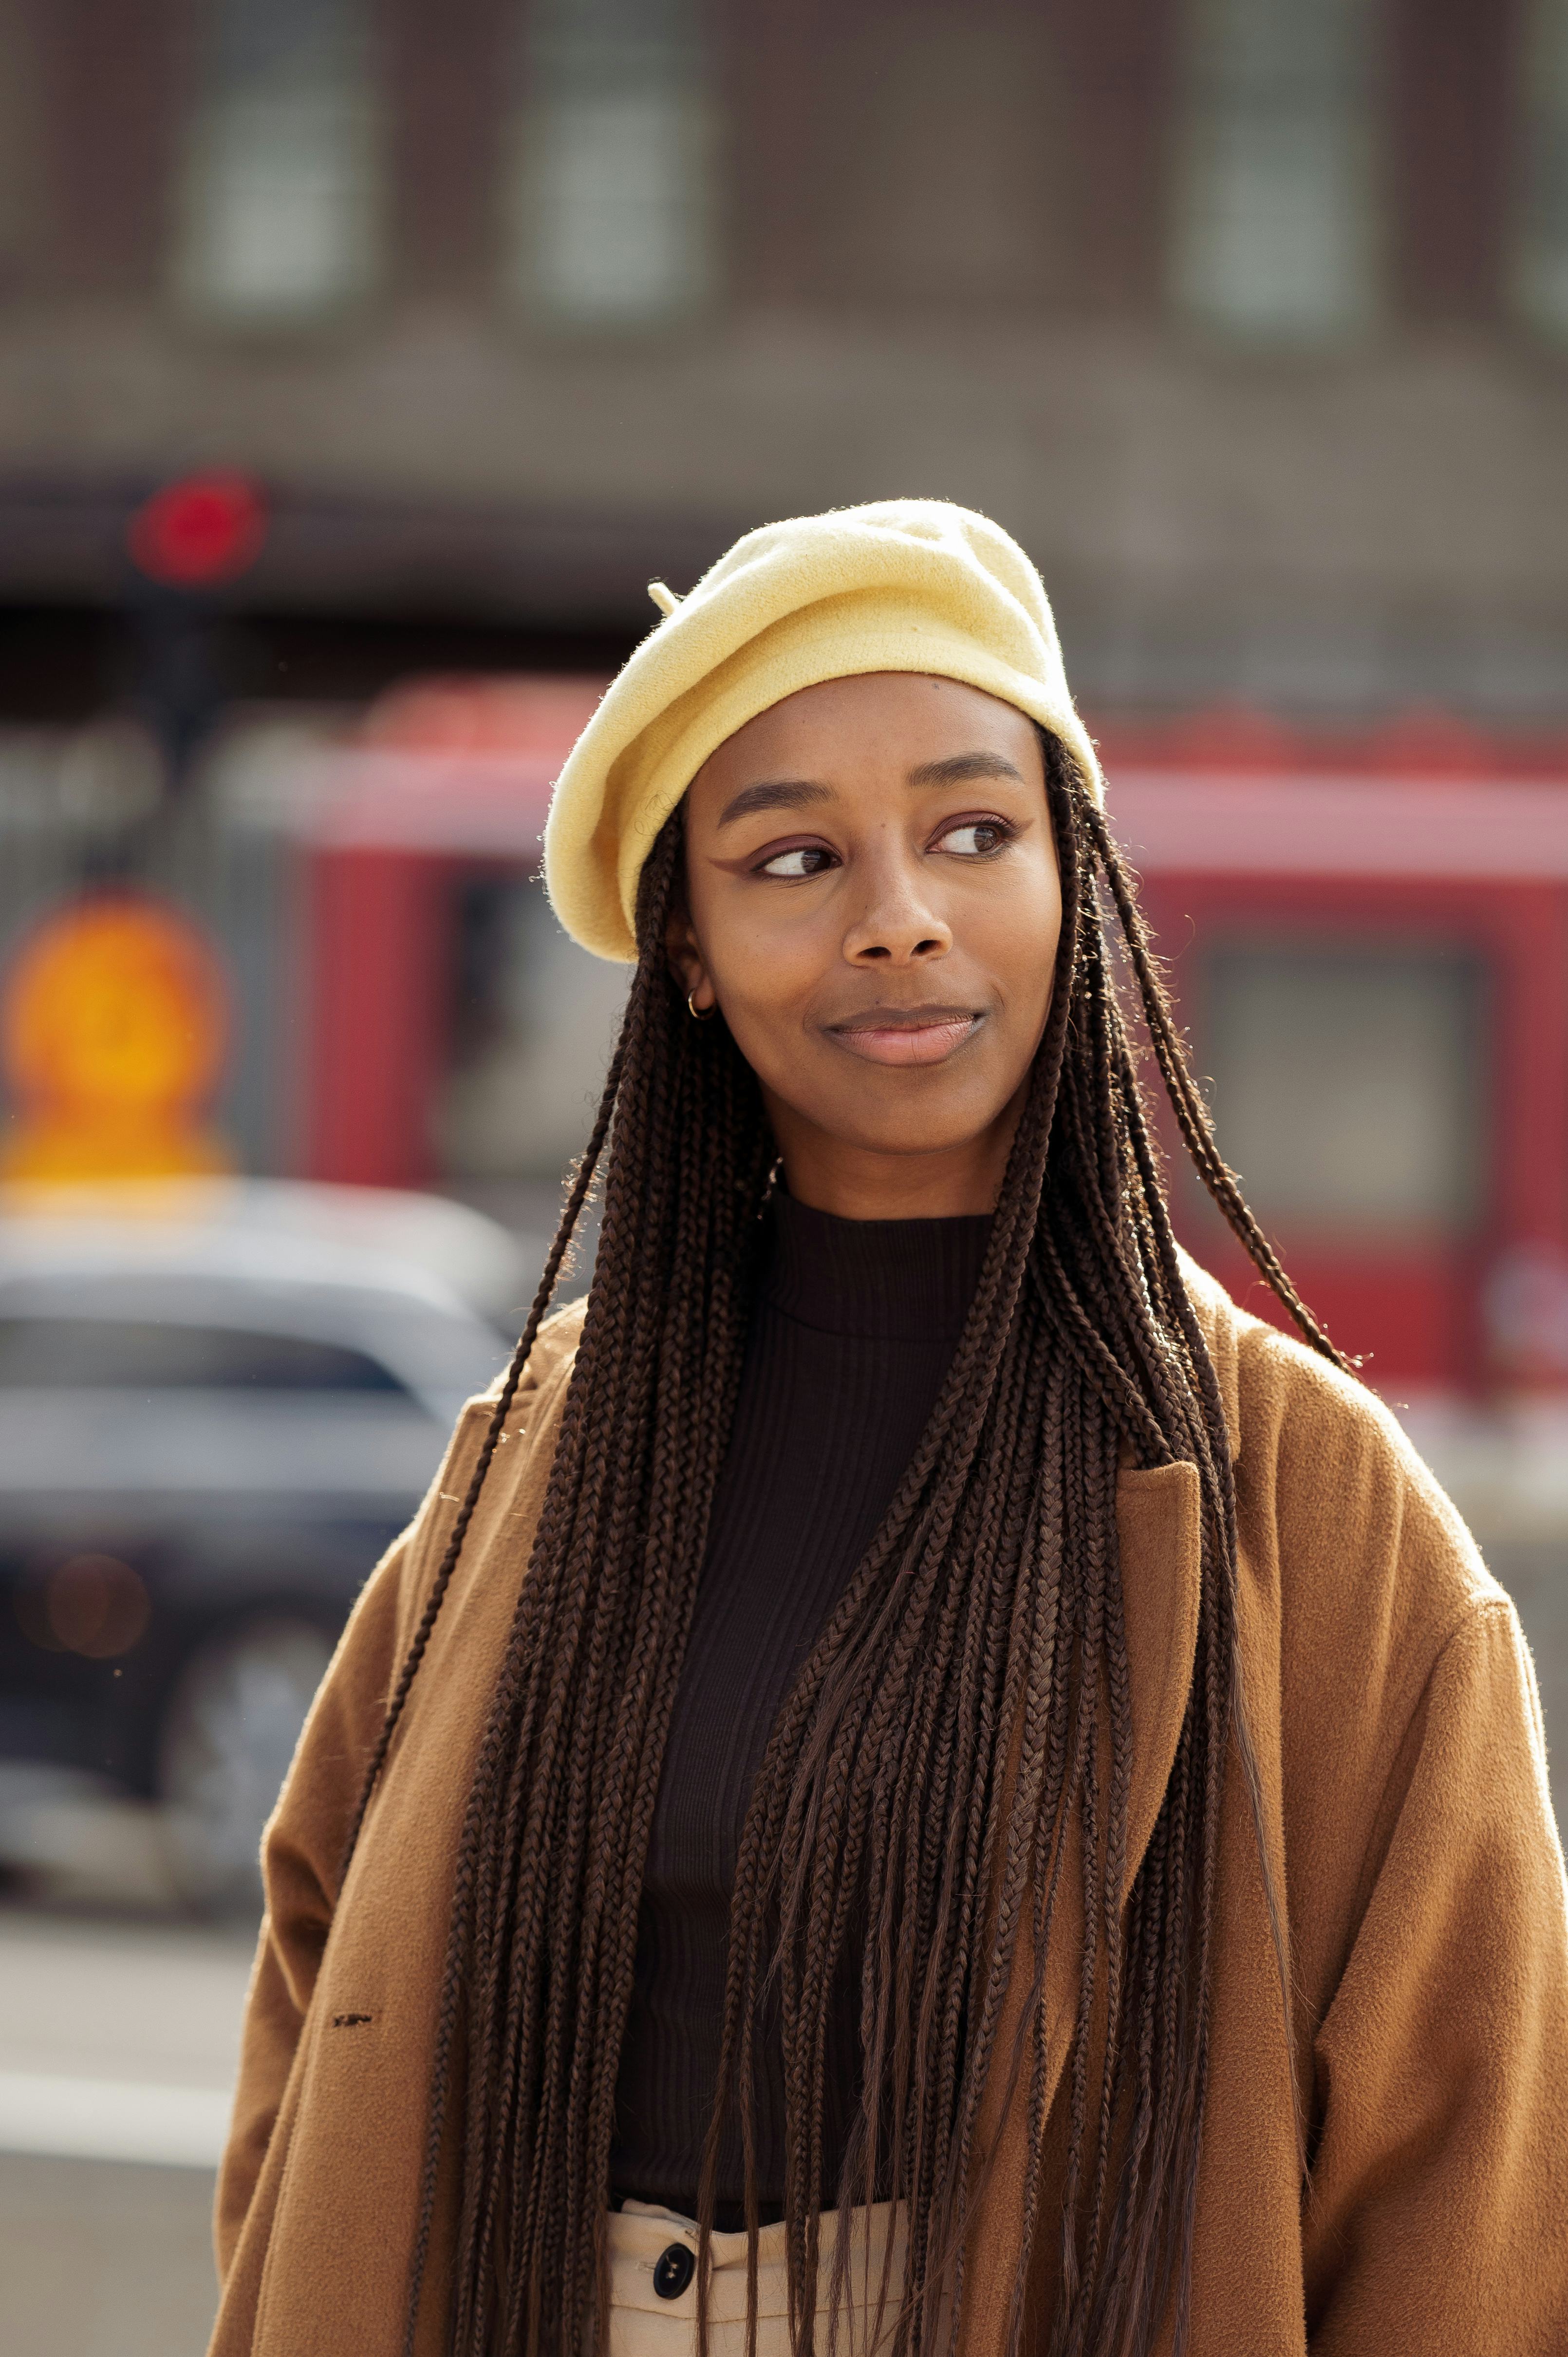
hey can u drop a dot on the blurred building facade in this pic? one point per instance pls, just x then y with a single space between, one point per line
1249 316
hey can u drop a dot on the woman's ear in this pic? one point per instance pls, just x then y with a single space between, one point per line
686 963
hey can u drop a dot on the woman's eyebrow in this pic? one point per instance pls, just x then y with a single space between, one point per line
773 793
797 794
959 767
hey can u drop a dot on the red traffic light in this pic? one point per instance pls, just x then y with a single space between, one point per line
202 529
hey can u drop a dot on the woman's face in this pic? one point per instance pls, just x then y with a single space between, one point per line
873 901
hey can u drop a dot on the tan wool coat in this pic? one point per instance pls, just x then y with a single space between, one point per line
1400 1744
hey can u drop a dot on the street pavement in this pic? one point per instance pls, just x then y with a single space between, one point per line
118 2043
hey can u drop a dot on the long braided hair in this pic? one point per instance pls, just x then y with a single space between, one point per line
964 1715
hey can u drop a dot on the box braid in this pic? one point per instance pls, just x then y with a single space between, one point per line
963 1725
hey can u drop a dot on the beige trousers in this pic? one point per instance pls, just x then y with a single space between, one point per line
645 2323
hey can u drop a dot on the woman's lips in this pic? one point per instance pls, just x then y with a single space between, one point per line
922 1038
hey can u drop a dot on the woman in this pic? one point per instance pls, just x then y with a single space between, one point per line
919 1773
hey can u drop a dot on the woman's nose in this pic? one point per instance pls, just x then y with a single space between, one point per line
898 925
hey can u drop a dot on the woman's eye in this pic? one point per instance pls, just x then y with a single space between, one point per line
976 837
801 859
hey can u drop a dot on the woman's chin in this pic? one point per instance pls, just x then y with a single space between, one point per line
910 1141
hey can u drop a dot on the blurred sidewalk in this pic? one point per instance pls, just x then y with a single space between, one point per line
117 2050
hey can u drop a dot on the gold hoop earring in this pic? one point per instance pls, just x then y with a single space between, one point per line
699 1014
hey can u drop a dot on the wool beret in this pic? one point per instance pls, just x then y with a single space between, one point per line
903 585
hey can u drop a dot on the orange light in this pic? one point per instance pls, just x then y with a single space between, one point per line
113 1027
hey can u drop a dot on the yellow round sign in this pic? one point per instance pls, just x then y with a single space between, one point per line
113 1027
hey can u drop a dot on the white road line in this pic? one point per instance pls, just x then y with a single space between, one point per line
112 2119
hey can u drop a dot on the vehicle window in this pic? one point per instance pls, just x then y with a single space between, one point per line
1348 1086
533 1015
146 1354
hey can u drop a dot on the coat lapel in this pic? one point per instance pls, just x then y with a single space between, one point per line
1157 1516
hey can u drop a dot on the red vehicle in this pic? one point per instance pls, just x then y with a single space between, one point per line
1371 955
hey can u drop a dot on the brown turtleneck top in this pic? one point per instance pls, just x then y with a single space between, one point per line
855 1326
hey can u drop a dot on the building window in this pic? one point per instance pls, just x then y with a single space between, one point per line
279 215
1347 1086
610 185
1276 217
1540 252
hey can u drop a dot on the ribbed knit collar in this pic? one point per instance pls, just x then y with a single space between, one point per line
894 1280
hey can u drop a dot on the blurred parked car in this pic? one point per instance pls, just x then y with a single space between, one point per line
218 1404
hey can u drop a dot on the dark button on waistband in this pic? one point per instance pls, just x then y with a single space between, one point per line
673 2270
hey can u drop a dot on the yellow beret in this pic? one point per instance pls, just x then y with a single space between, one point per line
904 584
